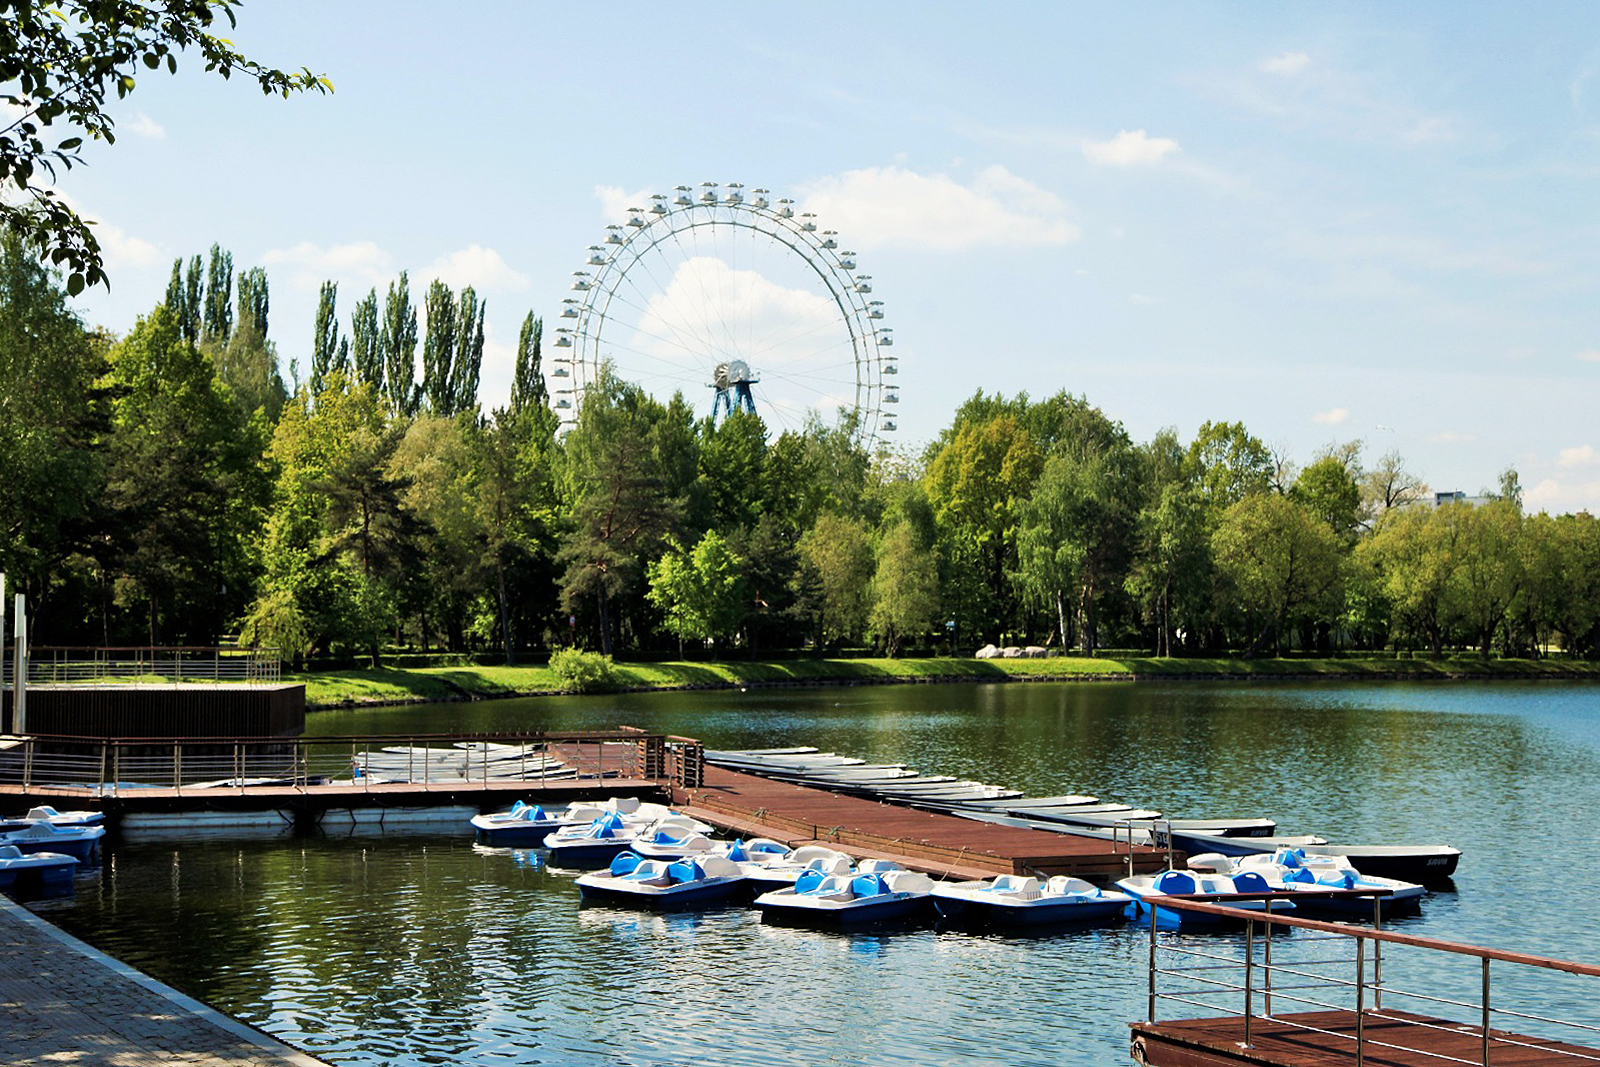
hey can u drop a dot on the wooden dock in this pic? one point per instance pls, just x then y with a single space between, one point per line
940 844
1328 1039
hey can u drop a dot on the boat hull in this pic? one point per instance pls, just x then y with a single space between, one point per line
586 855
669 898
902 911
1065 913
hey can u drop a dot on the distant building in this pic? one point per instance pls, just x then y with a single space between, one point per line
1456 496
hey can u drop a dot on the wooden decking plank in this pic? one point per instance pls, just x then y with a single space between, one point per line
1284 1041
853 822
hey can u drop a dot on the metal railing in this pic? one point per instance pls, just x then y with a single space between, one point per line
133 664
1325 967
107 767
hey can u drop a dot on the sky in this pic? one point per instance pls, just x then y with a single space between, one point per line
1332 222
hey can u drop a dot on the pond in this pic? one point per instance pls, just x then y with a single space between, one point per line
419 949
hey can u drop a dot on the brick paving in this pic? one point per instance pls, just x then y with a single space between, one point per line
64 1004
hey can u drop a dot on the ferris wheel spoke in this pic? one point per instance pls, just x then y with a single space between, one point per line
746 284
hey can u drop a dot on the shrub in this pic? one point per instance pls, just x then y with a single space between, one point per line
583 672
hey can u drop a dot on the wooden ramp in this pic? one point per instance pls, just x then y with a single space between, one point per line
1328 1039
793 813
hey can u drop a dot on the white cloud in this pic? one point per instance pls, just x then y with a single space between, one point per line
144 126
477 266
1451 437
1129 148
615 201
1558 497
895 207
1332 417
122 250
792 339
1287 64
362 264
1590 355
1581 456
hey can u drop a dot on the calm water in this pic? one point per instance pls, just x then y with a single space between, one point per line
420 950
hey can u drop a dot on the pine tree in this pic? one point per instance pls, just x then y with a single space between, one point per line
439 348
365 344
399 346
218 323
325 344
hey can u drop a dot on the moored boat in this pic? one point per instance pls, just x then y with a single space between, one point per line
1312 876
1013 901
82 843
525 825
877 894
36 873
695 881
1425 864
1147 891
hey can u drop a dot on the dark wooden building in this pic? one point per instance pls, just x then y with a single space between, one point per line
182 709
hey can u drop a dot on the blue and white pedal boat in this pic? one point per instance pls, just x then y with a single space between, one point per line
1147 890
36 873
690 882
45 813
872 896
526 825
1295 871
1014 901
599 842
82 843
778 872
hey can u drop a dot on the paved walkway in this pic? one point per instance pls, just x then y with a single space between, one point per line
64 1004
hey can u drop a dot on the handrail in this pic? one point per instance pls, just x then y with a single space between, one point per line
1187 903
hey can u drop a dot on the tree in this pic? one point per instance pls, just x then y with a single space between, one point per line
1489 568
58 63
248 363
1331 488
399 347
976 484
468 365
183 485
439 349
1227 464
1172 559
905 588
1283 561
700 591
325 342
52 424
1413 552
366 346
838 551
216 319
527 380
1389 485
183 297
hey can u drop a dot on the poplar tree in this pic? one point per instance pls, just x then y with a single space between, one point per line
527 384
467 367
439 348
217 325
253 300
184 298
365 345
399 346
193 298
325 342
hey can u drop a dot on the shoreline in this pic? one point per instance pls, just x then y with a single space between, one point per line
351 689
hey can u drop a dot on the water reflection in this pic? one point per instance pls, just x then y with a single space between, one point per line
421 950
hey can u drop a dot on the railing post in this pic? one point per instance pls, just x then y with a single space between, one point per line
101 788
1486 1011
1377 955
1361 1000
1152 963
177 766
1249 975
27 764
1266 972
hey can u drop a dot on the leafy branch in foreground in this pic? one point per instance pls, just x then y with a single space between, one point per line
57 66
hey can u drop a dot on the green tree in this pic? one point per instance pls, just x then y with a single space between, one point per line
439 349
1331 488
400 347
183 297
1172 560
976 484
1488 571
325 342
59 64
732 460
1282 561
216 321
527 380
1228 464
182 484
1413 553
467 367
52 425
248 363
905 588
838 552
366 345
700 591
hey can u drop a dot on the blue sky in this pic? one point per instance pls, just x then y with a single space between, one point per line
1332 222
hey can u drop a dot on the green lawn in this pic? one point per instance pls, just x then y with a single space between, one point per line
335 688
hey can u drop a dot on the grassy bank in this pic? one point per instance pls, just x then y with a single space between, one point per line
342 688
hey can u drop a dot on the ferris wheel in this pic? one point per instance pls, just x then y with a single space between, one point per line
736 301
